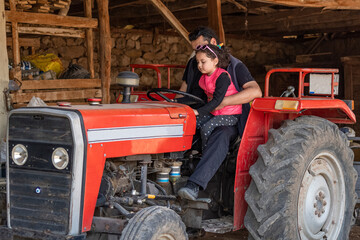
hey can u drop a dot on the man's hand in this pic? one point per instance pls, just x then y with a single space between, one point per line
251 90
196 112
182 88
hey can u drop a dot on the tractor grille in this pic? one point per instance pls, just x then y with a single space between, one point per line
39 200
39 193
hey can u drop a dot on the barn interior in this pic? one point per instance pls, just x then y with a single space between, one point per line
106 37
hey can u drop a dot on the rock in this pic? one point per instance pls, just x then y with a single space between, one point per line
146 39
182 58
130 43
79 41
123 61
114 61
116 51
174 49
137 45
134 53
46 41
65 63
83 62
72 52
165 61
59 42
160 55
172 39
70 42
139 61
255 47
264 49
135 37
149 56
147 47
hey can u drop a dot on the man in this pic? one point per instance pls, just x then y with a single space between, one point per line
219 141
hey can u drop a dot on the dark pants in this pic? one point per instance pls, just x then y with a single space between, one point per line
207 123
214 154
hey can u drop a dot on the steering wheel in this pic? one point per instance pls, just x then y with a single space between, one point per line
157 91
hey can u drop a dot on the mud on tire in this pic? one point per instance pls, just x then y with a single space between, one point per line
155 223
303 183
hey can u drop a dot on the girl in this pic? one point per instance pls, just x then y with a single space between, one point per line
216 83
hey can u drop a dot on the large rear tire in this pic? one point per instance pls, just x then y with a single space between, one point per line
303 183
155 223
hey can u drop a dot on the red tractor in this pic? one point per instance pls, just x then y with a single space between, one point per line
113 171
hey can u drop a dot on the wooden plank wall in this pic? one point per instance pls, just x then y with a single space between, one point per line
352 85
52 91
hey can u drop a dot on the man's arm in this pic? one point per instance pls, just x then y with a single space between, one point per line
182 88
251 90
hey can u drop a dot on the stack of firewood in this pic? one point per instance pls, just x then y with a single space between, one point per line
40 6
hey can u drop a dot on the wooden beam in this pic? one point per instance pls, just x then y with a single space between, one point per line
329 4
296 21
105 48
56 95
50 19
16 70
25 42
215 18
167 14
64 11
60 84
52 31
89 39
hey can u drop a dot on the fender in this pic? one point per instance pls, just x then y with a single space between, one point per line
265 113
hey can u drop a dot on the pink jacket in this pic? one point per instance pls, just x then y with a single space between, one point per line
208 83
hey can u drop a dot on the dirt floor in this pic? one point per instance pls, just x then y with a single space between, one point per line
242 235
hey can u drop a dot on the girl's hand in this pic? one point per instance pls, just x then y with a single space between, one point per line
196 112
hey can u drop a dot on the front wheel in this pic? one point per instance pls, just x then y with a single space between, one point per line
155 223
303 183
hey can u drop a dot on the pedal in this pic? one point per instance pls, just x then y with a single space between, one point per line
193 211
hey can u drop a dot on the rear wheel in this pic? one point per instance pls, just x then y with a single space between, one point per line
155 223
303 183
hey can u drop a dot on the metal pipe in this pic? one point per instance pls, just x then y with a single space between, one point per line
122 210
143 178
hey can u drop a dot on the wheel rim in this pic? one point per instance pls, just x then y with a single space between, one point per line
321 203
165 236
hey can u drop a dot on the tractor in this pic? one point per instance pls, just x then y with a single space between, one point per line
112 171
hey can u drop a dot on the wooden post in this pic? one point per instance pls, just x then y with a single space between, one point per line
4 73
215 18
105 49
16 72
89 40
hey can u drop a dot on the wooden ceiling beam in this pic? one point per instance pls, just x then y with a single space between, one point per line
191 15
50 19
296 22
328 4
167 14
215 18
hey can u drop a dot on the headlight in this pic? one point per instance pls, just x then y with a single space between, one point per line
19 154
60 158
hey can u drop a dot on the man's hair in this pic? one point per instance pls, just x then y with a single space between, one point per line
206 32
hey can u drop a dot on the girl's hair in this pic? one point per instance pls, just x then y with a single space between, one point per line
222 53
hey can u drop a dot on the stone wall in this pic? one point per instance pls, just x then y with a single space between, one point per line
140 47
